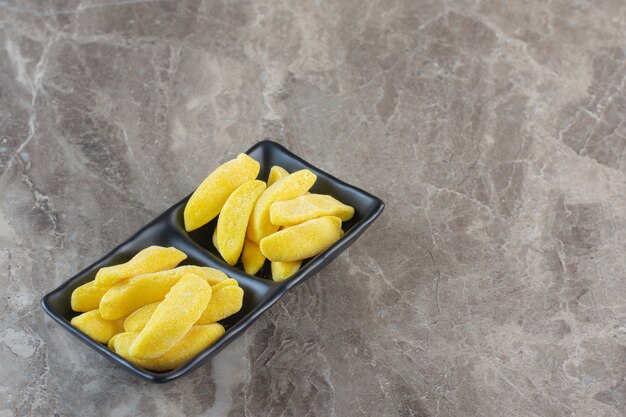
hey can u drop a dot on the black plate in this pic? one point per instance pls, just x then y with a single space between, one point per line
260 292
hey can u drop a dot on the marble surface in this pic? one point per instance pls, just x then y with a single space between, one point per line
494 284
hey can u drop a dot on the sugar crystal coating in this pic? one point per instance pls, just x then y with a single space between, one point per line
93 325
182 307
225 302
207 201
151 259
292 186
251 257
283 270
192 343
138 291
233 220
137 321
87 297
276 173
230 282
307 207
303 240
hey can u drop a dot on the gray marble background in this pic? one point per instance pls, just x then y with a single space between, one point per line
494 284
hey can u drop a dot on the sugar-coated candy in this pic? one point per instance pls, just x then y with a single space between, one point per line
136 292
87 297
93 325
233 220
276 173
214 239
251 257
225 302
303 240
195 341
137 321
292 186
283 270
307 207
207 201
182 307
111 344
151 259
226 283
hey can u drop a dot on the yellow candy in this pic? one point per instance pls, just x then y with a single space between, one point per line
136 292
226 283
283 270
173 318
87 297
152 259
292 186
212 275
111 344
207 201
276 173
225 302
195 341
137 321
303 240
94 326
251 257
307 207
214 239
233 220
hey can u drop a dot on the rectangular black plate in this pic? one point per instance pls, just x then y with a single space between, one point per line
260 291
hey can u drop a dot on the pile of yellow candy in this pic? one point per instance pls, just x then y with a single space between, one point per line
279 221
153 313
